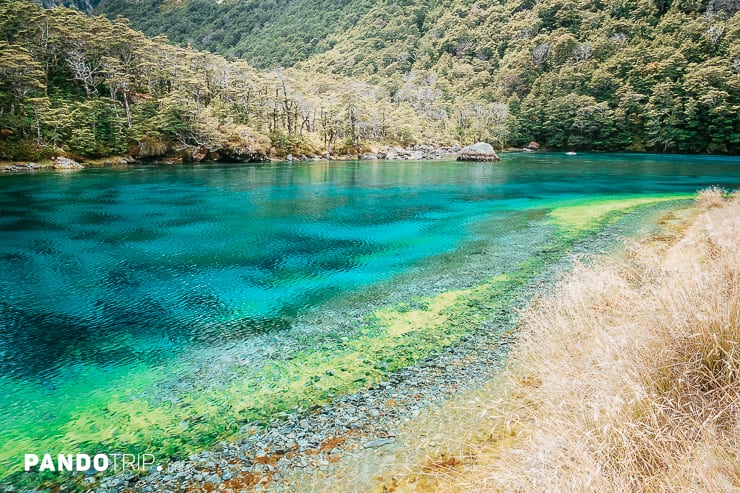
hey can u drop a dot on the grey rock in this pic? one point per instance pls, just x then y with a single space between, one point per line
212 478
378 442
65 163
480 151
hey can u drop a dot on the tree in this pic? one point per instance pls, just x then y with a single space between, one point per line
20 74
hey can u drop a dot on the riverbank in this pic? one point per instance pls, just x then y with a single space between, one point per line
63 164
417 152
347 355
361 429
624 379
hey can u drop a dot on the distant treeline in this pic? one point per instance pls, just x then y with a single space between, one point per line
642 75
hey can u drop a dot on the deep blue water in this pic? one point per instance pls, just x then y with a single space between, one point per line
135 267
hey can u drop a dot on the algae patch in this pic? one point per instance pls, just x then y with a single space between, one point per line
401 322
582 215
390 338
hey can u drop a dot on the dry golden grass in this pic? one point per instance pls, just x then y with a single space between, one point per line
712 197
627 379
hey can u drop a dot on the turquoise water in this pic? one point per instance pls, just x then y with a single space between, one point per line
149 281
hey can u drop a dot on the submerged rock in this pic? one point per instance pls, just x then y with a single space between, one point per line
480 151
378 442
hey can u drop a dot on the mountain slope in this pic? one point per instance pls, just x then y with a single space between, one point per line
90 87
641 75
267 34
636 75
619 74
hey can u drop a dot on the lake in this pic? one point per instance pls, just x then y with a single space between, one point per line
160 308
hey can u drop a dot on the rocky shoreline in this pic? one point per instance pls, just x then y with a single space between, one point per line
63 164
417 152
312 441
309 443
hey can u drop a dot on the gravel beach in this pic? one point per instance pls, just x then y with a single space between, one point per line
364 428
309 443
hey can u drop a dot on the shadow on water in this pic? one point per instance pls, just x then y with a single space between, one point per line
204 251
161 266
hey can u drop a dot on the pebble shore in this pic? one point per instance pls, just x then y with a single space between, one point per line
282 455
311 442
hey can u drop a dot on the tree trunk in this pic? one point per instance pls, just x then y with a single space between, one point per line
127 107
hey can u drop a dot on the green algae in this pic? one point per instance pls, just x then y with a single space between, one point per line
390 338
582 215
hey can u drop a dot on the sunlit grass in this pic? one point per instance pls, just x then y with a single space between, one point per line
625 379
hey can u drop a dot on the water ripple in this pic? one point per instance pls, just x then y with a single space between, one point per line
116 286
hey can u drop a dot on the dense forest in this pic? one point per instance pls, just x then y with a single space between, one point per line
658 75
341 77
90 87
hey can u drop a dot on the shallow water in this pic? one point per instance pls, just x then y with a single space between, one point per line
119 281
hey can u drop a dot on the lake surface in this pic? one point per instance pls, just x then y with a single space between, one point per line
123 290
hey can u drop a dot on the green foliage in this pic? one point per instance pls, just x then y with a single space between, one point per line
247 28
655 75
91 87
633 75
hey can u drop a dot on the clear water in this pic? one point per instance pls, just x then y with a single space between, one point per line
114 280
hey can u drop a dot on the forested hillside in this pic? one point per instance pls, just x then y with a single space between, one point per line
89 87
658 75
635 75
274 33
624 74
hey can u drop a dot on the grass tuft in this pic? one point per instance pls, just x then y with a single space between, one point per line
626 379
712 197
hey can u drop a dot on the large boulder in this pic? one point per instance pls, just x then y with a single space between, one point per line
479 151
65 163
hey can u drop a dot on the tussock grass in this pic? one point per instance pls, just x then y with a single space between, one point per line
627 379
712 197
